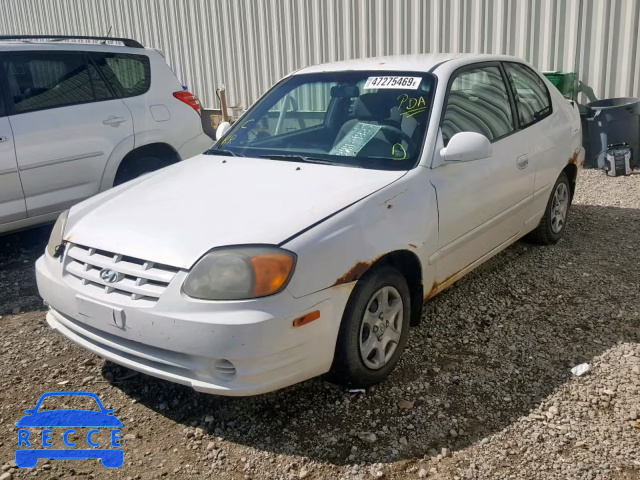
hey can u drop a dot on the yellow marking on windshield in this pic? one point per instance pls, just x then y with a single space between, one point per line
228 140
412 105
413 112
393 151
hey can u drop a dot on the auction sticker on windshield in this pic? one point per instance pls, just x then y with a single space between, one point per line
411 83
355 140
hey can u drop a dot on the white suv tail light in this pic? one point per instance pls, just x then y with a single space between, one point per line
188 98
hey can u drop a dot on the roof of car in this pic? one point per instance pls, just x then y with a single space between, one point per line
423 62
12 43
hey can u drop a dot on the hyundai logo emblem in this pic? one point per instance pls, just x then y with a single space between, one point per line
110 276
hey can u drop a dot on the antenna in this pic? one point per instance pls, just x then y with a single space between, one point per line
104 42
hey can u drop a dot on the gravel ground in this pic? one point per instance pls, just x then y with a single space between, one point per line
484 389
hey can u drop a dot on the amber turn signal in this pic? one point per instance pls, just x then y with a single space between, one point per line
271 271
308 318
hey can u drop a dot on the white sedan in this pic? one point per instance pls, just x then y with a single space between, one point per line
306 240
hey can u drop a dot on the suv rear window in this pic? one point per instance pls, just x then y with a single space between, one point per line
129 75
38 81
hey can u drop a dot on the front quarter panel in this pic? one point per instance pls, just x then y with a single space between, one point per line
401 216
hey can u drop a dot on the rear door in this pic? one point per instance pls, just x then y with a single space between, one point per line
151 108
12 206
66 123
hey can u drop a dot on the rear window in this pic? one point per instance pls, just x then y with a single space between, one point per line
38 81
129 75
532 97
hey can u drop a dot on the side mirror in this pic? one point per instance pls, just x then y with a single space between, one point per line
222 129
467 146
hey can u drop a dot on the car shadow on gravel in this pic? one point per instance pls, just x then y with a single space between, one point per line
18 254
489 350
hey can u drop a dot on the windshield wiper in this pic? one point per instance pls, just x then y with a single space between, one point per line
305 159
220 151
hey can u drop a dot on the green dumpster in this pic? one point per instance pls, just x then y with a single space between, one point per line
566 82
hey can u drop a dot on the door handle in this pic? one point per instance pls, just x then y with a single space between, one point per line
522 161
114 121
3 139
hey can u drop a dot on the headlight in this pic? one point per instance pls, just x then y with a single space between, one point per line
55 240
237 273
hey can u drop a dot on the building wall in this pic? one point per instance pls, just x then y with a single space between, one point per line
248 45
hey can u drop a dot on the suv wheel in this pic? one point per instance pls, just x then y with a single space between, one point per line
374 329
138 166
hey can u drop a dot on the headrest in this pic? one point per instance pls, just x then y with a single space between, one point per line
372 106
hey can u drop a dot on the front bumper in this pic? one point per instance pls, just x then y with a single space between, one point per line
189 341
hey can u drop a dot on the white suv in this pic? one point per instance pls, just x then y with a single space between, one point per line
78 118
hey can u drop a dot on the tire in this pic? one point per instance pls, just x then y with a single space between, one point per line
138 166
351 365
550 230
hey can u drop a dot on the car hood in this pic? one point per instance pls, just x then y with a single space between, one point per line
176 215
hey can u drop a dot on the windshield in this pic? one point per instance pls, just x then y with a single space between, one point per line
368 119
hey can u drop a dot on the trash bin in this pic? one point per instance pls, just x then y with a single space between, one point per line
566 82
610 121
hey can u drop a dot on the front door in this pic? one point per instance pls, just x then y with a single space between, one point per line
481 204
12 206
66 123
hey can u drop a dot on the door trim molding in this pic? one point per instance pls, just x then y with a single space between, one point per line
56 161
8 171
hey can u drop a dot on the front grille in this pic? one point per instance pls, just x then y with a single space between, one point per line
141 279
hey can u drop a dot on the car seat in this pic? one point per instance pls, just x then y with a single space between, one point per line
380 108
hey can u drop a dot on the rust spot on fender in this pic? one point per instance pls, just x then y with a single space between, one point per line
573 159
434 288
412 245
431 293
354 273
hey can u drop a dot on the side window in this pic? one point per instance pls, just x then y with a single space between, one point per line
129 75
531 94
100 87
478 102
40 80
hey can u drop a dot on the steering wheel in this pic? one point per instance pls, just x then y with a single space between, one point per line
254 135
411 145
